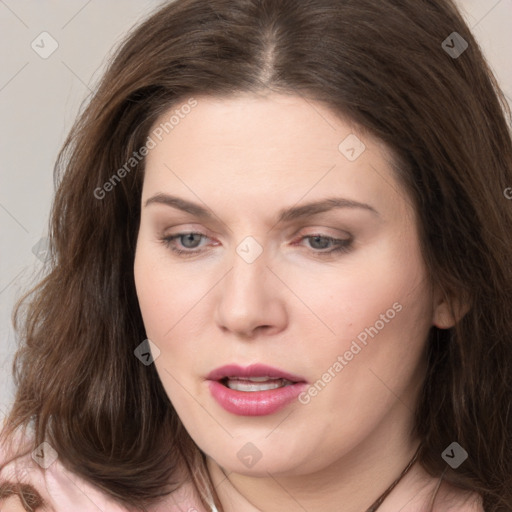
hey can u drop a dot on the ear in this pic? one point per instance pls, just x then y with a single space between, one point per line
448 309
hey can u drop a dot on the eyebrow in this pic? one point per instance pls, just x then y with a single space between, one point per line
285 215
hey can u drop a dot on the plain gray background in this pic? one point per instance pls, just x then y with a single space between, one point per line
40 97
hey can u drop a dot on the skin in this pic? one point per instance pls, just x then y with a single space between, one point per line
245 158
12 504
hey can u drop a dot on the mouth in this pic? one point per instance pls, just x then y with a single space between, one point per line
255 390
253 373
254 384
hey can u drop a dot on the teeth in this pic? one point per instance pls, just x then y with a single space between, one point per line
256 379
252 384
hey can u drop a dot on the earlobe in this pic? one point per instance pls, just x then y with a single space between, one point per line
442 317
449 311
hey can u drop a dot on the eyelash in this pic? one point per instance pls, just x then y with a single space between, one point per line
343 246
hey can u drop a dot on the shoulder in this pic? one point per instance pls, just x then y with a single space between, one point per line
38 474
11 504
421 492
452 499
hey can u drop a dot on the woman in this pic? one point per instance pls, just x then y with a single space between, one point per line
280 272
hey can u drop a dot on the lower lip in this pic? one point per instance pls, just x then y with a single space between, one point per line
255 403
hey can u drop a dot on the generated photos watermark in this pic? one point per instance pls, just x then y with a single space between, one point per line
356 347
156 136
147 352
454 45
44 455
249 455
454 455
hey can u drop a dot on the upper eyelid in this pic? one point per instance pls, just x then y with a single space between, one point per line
301 236
318 232
188 228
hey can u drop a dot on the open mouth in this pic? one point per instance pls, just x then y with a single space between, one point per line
255 390
254 384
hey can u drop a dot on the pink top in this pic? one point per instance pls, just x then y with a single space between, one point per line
63 491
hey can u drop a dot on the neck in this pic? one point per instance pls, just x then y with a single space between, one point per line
355 480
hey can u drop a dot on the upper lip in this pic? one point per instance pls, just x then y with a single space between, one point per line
253 370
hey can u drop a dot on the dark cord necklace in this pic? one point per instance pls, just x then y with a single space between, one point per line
384 495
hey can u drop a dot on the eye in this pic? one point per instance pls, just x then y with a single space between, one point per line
190 242
320 242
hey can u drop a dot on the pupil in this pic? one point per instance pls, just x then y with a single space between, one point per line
190 238
322 246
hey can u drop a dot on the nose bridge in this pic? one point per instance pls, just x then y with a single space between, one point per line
247 299
249 270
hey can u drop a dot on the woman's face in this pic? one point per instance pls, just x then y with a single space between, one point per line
306 260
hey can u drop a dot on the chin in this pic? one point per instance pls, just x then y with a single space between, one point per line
258 459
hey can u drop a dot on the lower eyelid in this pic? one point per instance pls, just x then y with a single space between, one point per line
337 244
326 237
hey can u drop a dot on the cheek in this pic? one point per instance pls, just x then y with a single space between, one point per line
162 312
156 283
153 300
172 304
375 313
366 285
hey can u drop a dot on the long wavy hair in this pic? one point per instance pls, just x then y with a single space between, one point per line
383 64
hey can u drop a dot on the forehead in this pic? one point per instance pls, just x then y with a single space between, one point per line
253 122
254 146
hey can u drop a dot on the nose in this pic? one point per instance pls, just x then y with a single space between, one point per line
251 299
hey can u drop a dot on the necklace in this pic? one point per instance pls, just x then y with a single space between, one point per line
378 502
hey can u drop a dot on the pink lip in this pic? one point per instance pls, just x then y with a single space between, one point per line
256 403
254 370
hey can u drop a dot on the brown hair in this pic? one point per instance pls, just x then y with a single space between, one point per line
379 63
